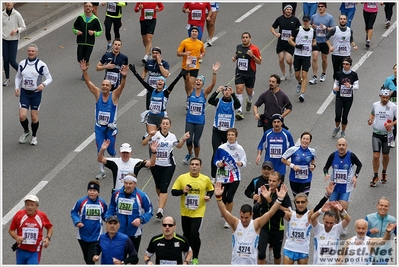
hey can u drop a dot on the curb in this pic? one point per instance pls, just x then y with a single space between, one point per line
47 19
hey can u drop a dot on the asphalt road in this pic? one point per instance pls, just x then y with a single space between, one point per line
61 165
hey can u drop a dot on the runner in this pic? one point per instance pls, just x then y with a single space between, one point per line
195 190
348 9
29 88
113 16
210 24
370 10
197 14
247 56
390 83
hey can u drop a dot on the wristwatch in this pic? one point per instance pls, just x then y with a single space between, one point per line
160 64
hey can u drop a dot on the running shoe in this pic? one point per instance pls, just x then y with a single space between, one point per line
301 97
393 143
322 77
144 60
187 158
24 137
109 48
248 106
291 72
283 78
226 225
335 132
209 42
101 175
194 261
313 80
367 43
298 88
271 254
342 134
384 178
159 215
239 115
33 142
7 82
374 181
387 24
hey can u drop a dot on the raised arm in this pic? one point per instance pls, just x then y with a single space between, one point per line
209 89
93 89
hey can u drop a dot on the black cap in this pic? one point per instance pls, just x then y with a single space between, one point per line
194 27
277 117
268 164
113 218
306 18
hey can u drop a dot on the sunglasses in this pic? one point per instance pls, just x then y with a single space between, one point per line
320 6
168 224
300 202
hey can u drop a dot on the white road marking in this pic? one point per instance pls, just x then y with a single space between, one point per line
331 96
248 13
390 29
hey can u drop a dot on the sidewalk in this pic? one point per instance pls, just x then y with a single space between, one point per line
38 16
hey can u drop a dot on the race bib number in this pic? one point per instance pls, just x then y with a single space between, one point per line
285 35
193 62
345 91
342 49
103 118
340 176
196 14
111 7
320 32
93 212
152 81
30 235
298 236
165 262
306 50
244 251
349 5
148 13
223 124
222 174
162 154
196 108
303 173
29 83
155 107
113 77
242 64
125 206
275 151
372 5
192 201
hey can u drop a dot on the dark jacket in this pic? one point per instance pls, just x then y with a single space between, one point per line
93 24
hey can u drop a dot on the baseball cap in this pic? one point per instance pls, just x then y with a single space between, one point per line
194 28
385 92
306 18
113 218
32 198
268 164
277 117
125 147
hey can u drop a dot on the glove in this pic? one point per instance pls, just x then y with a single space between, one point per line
299 46
133 68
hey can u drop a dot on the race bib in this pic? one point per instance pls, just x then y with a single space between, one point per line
30 235
303 173
345 91
148 13
285 35
340 176
165 262
193 62
222 174
275 151
223 124
244 251
242 64
29 83
113 77
298 236
196 108
152 81
103 118
342 49
93 212
306 50
125 206
196 14
162 154
192 201
320 32
349 5
111 7
372 5
155 107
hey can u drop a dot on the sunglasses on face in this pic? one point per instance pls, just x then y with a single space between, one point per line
300 202
168 224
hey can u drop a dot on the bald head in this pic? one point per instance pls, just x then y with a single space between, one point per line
361 223
342 146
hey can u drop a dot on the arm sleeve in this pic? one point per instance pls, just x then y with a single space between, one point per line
113 167
250 190
172 85
213 100
47 74
74 28
160 5
328 163
75 213
176 192
144 83
97 249
147 205
99 28
355 160
129 249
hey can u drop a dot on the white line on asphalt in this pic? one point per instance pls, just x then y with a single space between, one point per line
248 13
389 30
50 28
20 204
331 96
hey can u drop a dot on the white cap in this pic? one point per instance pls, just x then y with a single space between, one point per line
130 178
125 147
385 92
32 198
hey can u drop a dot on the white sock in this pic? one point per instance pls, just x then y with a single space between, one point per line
251 96
160 210
101 167
239 96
